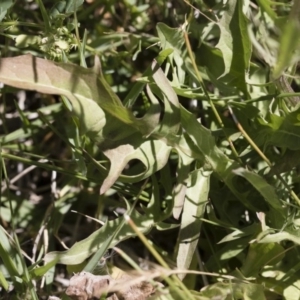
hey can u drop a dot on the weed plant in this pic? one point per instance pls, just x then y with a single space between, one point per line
169 129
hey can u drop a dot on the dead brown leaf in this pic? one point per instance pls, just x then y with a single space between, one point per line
86 286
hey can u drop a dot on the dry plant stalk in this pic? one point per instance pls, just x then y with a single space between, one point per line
86 286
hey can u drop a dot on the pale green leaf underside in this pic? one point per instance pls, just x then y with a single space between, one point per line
88 91
153 154
279 237
196 198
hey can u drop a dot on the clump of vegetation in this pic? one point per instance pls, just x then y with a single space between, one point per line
165 130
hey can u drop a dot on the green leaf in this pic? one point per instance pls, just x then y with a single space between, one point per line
196 197
88 92
170 123
211 63
172 38
154 207
228 251
266 5
280 131
261 185
57 9
40 271
287 162
85 248
179 192
234 290
45 16
235 44
5 5
9 256
279 237
153 154
139 85
73 5
91 265
251 230
3 281
204 141
44 76
292 292
289 42
214 157
260 255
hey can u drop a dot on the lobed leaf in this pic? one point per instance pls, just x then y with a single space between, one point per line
153 154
